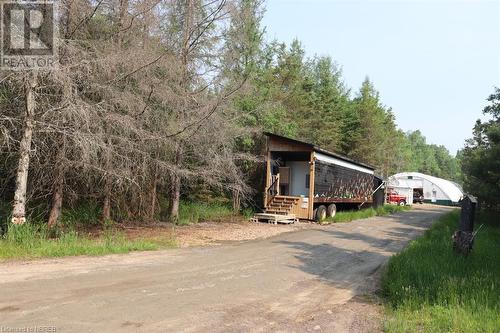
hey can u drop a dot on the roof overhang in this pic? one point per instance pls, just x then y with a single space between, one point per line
340 162
364 166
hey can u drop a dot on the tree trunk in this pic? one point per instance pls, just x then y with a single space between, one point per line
19 207
175 187
185 45
153 193
236 201
175 179
121 20
106 206
57 200
57 194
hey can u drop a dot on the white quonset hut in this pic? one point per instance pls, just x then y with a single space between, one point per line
435 190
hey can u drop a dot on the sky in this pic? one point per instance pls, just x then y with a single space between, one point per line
433 62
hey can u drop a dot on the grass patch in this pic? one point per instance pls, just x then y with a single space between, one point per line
430 289
348 216
194 212
85 213
33 241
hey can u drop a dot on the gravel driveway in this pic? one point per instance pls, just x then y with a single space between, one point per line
319 280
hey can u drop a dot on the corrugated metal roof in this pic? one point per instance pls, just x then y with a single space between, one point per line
449 188
321 150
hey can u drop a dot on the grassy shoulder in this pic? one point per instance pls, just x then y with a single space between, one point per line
348 216
31 241
80 232
430 289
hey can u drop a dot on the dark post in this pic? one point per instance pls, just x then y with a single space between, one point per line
463 238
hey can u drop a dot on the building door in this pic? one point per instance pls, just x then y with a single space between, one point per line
433 198
284 180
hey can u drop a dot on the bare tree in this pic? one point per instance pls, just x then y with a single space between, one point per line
19 207
153 119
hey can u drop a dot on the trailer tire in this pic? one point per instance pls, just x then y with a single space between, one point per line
320 213
331 210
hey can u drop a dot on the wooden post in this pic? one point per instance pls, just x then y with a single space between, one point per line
311 186
277 184
268 174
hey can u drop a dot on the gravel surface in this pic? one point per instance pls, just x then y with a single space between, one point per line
214 233
320 279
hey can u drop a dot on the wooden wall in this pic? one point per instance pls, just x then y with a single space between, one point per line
277 144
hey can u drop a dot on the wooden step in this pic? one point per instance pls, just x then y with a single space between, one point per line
277 198
281 206
279 212
274 218
283 202
273 204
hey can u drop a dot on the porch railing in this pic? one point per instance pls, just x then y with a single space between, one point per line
273 189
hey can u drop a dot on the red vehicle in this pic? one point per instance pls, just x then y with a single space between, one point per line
396 198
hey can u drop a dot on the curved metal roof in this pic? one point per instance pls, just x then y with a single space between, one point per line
452 190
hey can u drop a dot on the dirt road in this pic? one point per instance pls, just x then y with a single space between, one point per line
318 280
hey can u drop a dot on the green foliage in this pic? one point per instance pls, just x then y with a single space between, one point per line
481 156
430 289
431 159
194 212
371 131
247 213
348 216
83 213
32 241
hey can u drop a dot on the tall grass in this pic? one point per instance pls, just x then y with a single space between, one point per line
348 216
34 241
430 289
193 212
85 213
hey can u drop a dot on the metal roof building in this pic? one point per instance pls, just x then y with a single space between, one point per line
434 189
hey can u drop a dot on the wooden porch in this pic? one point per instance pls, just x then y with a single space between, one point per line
301 177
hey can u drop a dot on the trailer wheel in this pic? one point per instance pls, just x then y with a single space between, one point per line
402 203
331 210
320 213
